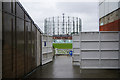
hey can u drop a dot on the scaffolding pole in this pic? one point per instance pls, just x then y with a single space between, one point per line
63 23
73 25
66 28
45 26
53 27
77 25
80 25
58 25
49 30
68 24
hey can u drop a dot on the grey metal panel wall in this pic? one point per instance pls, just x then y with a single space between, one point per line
38 48
8 46
29 45
0 40
20 46
19 11
119 50
19 54
28 42
7 7
34 52
41 49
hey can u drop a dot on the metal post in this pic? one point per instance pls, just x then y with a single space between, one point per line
68 24
56 51
77 25
41 39
58 25
0 40
80 25
119 53
66 27
63 23
45 26
73 25
53 27
49 29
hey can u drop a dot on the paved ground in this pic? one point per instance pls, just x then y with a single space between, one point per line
62 67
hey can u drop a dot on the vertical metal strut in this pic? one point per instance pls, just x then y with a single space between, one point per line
63 23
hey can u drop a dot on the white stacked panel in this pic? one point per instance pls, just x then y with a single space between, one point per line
89 36
109 54
76 51
89 45
44 50
76 44
109 64
47 51
109 36
89 55
89 63
99 50
76 48
109 46
0 40
109 49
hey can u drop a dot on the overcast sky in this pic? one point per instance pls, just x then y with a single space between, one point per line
87 11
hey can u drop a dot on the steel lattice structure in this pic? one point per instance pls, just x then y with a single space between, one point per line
62 25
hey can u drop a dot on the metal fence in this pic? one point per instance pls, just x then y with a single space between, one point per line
98 49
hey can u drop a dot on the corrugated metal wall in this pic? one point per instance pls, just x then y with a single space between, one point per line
0 39
19 41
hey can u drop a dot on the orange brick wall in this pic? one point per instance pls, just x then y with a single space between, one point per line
113 26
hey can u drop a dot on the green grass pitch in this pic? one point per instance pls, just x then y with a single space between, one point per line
62 45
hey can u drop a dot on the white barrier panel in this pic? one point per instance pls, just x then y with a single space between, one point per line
76 48
47 50
89 46
98 49
90 55
0 40
89 36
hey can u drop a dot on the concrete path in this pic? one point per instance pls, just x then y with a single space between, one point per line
62 67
